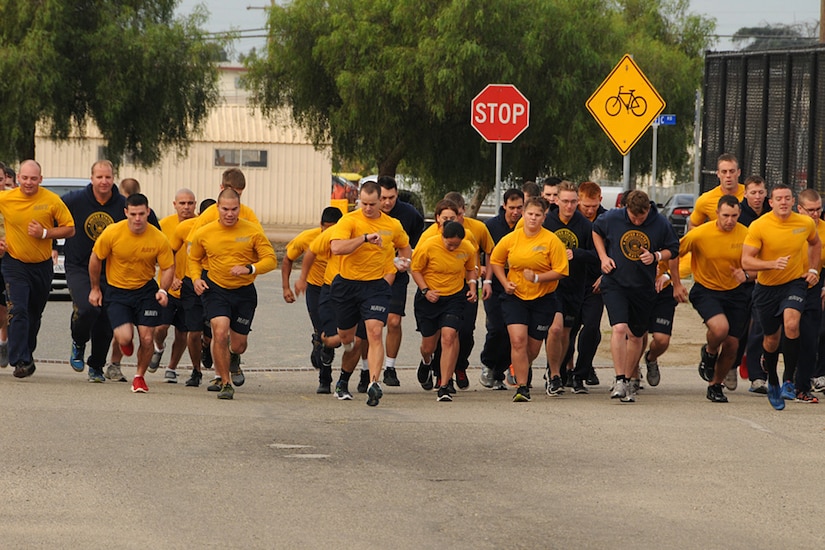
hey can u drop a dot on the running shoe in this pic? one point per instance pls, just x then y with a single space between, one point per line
499 385
206 355
363 381
806 397
592 378
170 376
215 384
555 386
788 390
342 392
113 372
732 379
579 387
374 394
707 364
775 397
487 378
715 394
154 362
758 386
461 379
4 355
510 376
444 394
620 389
76 361
139 385
194 380
653 374
24 370
235 369
817 384
96 375
391 377
522 395
127 349
227 392
425 376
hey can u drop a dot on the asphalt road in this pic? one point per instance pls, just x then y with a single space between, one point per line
95 466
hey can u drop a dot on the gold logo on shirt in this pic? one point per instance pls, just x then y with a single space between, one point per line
569 238
96 223
632 244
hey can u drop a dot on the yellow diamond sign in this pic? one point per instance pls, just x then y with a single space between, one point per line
625 104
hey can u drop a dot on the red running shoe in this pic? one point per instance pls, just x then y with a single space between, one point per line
128 349
139 385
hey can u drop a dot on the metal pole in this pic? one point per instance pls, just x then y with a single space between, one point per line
626 172
654 193
498 176
697 137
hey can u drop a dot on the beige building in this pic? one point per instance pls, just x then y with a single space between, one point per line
288 180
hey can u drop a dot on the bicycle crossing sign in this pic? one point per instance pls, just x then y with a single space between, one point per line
625 104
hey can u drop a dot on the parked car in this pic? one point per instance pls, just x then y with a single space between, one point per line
677 210
61 186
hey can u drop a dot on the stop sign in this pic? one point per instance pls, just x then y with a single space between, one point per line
500 113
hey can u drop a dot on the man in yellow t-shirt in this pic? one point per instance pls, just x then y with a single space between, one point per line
236 251
718 294
132 248
321 356
728 172
784 247
33 217
174 313
367 241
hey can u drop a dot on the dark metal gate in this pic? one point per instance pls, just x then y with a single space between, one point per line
767 108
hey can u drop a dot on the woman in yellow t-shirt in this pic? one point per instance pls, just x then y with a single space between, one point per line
442 266
537 260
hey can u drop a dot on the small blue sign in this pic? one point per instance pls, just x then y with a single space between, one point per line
665 120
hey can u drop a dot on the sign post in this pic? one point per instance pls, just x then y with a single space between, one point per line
500 113
625 105
661 120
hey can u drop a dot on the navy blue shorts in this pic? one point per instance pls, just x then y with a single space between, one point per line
174 314
312 294
733 304
326 313
664 309
630 306
355 301
448 311
238 304
770 301
194 318
571 305
537 314
398 300
136 306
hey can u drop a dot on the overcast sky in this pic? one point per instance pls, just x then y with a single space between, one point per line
730 15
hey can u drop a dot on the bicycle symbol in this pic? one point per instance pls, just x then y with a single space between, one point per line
634 104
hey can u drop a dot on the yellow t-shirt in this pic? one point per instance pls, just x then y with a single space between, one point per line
320 247
434 230
820 229
224 247
443 270
774 239
480 233
714 254
705 208
130 258
369 262
299 245
168 226
542 253
18 210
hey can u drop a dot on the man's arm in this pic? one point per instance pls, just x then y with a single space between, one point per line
286 270
306 266
95 265
607 263
814 259
348 246
752 262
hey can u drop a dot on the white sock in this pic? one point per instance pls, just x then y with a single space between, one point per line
365 364
389 363
348 347
161 350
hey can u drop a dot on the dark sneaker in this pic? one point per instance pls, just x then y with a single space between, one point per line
715 394
342 392
235 369
444 394
96 375
566 378
327 356
592 378
76 361
206 356
390 377
194 380
154 362
806 397
461 379
323 388
315 357
363 381
522 395
450 386
215 384
374 394
113 372
653 374
227 392
24 370
4 355
775 397
555 386
425 376
579 387
707 364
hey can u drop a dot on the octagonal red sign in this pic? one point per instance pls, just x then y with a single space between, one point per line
500 113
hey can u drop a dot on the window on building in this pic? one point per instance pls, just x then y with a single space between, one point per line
241 157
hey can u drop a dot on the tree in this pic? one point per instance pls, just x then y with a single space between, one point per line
769 37
385 81
146 79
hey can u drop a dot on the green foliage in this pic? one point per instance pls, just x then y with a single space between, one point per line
777 36
146 79
386 80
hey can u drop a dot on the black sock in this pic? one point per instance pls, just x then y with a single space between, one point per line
620 377
344 377
790 350
769 361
